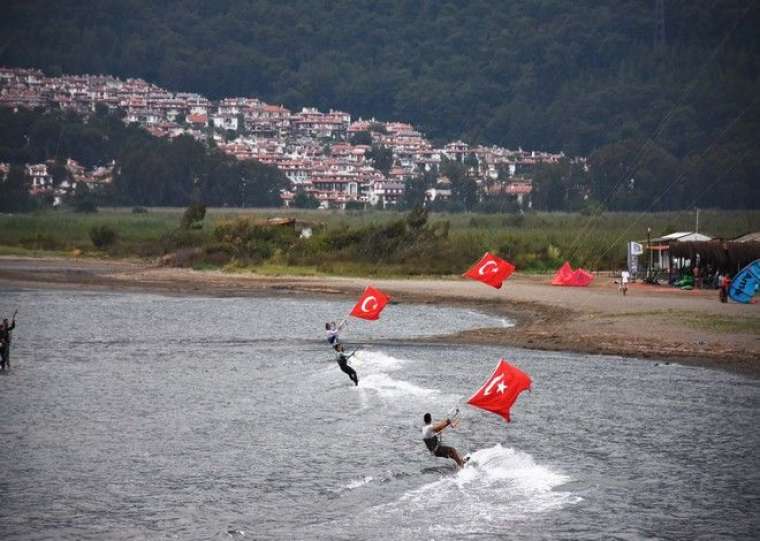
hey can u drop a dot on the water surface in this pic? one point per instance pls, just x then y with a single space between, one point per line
135 416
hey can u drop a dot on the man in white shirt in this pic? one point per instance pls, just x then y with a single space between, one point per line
430 435
624 278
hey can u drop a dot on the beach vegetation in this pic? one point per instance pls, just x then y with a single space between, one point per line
193 216
419 242
84 200
303 200
103 236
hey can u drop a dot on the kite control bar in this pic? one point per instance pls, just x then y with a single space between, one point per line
453 416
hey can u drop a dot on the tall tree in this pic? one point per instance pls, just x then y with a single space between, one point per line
14 191
381 157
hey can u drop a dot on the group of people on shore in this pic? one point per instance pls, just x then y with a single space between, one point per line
5 341
717 280
431 431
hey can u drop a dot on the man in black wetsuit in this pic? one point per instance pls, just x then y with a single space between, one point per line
5 343
342 358
433 442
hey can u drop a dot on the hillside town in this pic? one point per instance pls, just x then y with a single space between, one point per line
326 155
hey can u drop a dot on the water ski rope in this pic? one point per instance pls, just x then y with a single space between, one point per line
584 301
681 177
452 416
575 247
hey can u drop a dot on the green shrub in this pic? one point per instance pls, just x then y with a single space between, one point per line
592 208
513 220
85 205
219 253
182 238
103 237
255 242
355 205
42 241
303 200
193 216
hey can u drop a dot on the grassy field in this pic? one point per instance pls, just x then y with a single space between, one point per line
534 242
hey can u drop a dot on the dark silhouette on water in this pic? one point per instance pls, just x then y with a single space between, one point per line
5 341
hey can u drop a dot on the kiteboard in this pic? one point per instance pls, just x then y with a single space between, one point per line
449 467
443 469
469 462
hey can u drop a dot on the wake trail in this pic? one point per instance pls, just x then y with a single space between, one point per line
499 485
498 469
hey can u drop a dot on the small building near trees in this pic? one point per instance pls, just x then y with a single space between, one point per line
683 252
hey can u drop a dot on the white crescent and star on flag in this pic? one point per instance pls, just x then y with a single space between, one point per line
365 304
498 382
482 269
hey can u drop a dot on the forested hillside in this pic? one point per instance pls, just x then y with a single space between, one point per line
542 74
576 76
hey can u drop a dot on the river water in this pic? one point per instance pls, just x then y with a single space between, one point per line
136 416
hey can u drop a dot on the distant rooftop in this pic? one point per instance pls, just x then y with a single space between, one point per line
749 237
683 236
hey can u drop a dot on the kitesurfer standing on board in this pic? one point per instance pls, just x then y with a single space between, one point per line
430 435
342 359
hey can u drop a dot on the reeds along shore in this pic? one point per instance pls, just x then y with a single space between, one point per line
356 242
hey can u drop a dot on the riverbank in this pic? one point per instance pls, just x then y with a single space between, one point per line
650 322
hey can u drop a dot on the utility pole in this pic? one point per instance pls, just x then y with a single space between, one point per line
649 247
696 227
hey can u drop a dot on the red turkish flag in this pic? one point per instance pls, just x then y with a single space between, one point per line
370 304
490 270
500 390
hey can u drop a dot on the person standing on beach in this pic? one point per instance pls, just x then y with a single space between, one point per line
725 282
697 272
624 278
5 342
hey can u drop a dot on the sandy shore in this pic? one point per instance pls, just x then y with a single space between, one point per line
652 322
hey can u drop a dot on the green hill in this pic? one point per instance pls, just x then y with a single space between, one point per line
542 74
575 76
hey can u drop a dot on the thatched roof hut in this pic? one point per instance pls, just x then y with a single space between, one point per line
748 237
726 256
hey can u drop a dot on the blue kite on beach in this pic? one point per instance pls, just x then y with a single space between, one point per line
744 286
